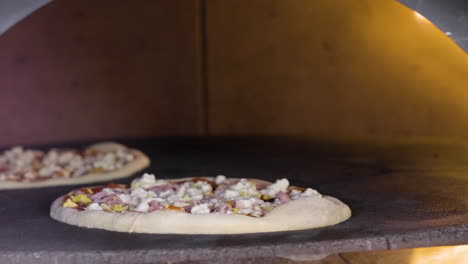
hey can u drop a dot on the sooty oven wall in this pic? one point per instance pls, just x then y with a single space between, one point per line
332 68
97 69
350 68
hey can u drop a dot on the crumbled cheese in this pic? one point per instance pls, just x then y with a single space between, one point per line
279 186
126 198
295 194
220 179
181 204
94 207
108 190
250 206
139 193
181 191
241 188
197 197
200 209
246 203
146 181
206 188
245 211
143 206
193 191
310 192
48 169
65 157
229 194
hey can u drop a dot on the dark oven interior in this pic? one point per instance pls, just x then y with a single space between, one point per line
364 100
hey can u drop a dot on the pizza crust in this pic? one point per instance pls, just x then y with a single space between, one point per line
140 162
303 213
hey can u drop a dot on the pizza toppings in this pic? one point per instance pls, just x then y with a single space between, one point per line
194 196
27 165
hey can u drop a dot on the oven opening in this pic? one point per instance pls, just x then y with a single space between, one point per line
356 105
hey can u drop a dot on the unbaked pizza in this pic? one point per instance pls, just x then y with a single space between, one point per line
29 168
204 205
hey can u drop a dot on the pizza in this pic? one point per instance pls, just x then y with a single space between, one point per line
30 168
202 205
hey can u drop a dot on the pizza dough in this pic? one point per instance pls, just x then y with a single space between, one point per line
303 213
139 162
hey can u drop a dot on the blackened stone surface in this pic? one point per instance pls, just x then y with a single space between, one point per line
402 193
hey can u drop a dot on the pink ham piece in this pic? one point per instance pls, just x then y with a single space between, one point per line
121 191
110 200
283 197
164 187
98 196
261 185
153 206
188 207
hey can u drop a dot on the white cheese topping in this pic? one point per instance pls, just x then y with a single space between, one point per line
181 204
242 188
220 179
193 191
310 192
108 190
295 194
139 193
128 199
94 207
279 186
246 203
200 209
146 181
230 194
197 196
143 206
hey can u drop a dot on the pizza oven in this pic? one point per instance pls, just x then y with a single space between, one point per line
365 100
